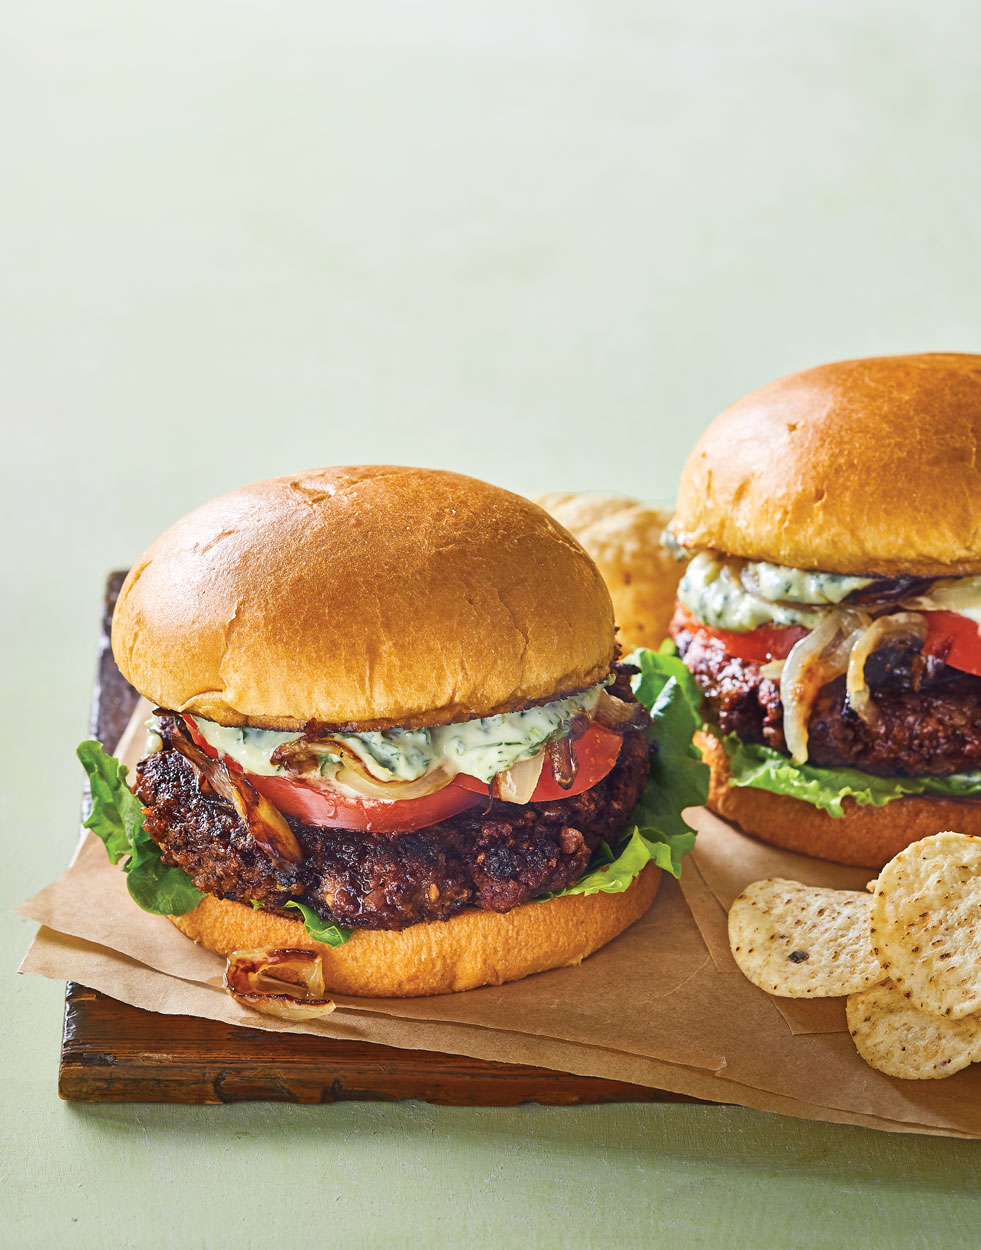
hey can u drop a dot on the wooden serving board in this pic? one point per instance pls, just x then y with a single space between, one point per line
112 1052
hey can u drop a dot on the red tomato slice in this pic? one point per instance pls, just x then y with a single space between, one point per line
338 811
767 642
596 752
955 637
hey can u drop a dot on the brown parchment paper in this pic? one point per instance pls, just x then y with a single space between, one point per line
663 1006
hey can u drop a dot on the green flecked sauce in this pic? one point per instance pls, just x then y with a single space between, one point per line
481 748
952 594
740 595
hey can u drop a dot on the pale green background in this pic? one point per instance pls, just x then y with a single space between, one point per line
540 241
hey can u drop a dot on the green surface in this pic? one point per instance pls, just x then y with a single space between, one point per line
539 241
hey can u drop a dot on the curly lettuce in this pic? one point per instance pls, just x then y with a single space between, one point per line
117 819
765 769
678 779
318 928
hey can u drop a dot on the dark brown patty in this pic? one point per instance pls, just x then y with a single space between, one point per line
494 857
934 730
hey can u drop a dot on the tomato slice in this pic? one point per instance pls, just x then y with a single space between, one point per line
339 811
766 642
955 637
596 752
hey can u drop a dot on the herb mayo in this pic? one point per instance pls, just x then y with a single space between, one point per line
740 595
952 594
481 748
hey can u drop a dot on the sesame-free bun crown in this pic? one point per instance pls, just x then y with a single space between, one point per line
367 596
864 466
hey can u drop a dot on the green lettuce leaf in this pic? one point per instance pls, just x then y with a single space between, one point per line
656 669
117 819
678 779
319 929
765 769
607 874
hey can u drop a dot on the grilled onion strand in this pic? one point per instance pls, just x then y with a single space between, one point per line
282 982
909 626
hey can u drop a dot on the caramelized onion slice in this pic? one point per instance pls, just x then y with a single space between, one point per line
614 713
302 757
799 684
518 784
368 787
911 626
815 660
563 760
266 823
285 983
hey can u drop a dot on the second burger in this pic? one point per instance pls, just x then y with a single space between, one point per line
831 605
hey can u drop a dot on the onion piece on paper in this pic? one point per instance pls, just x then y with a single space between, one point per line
285 983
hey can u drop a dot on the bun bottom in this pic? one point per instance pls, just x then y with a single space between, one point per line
865 836
442 956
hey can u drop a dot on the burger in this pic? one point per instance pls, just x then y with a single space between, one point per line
830 608
390 727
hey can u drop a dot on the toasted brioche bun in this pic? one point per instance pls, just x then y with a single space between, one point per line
864 466
624 538
364 597
441 956
866 836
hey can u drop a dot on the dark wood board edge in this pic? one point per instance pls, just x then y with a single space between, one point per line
127 1058
112 1052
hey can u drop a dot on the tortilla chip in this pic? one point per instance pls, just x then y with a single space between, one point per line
926 924
801 941
893 1037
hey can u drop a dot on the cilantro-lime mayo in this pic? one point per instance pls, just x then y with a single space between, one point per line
740 595
481 748
952 594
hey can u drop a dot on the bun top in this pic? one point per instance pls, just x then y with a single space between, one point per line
864 466
367 596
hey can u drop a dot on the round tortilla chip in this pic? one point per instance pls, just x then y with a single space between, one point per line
926 924
802 941
893 1037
